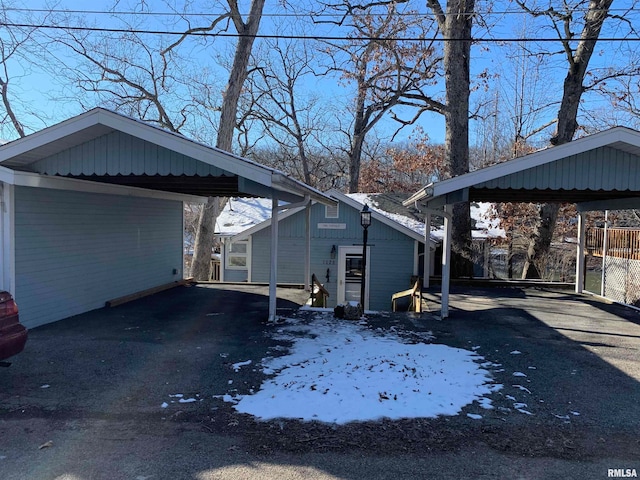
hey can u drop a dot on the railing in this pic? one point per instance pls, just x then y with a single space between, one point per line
621 242
319 294
415 294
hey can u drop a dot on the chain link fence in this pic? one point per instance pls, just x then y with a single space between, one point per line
621 266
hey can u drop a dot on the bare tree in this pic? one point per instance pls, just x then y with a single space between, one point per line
247 30
19 54
385 69
295 121
455 26
577 54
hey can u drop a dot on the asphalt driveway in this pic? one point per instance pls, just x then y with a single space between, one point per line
90 391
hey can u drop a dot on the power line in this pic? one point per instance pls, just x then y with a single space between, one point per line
308 37
292 15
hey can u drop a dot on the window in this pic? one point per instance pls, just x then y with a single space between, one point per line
331 211
238 255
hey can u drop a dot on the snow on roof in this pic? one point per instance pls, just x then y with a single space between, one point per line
369 199
242 213
480 212
239 214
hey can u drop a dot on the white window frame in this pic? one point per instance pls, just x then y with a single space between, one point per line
328 211
230 253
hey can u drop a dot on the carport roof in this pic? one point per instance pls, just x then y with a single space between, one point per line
597 172
158 160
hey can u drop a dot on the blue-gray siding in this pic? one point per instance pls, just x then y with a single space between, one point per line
603 168
117 153
74 250
391 253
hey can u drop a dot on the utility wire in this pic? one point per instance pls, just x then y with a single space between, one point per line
309 37
285 15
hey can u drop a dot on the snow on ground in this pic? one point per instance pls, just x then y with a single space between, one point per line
338 372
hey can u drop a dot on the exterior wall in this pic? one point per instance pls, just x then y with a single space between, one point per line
75 250
391 253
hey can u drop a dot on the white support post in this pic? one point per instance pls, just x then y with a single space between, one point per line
446 262
7 246
427 250
223 257
580 253
604 252
273 275
307 259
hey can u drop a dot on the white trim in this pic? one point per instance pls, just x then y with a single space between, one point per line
36 180
377 216
247 255
273 273
337 211
343 251
580 260
8 250
100 121
610 137
265 223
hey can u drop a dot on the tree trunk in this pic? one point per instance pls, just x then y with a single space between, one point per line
540 239
456 25
203 246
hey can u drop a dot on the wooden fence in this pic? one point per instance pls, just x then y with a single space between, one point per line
620 242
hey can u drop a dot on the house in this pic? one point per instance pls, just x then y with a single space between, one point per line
92 209
395 248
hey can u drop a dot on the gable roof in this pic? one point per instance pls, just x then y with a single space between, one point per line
147 157
410 227
597 171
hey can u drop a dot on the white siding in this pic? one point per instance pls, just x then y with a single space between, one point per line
75 250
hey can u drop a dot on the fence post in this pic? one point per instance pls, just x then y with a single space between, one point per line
604 251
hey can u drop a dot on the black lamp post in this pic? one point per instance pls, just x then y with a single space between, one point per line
365 221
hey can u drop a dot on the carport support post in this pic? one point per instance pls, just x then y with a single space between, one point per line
446 262
580 253
427 250
273 274
307 259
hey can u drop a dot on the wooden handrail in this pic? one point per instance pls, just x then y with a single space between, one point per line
416 297
318 288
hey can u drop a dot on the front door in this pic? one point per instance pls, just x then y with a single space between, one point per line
350 275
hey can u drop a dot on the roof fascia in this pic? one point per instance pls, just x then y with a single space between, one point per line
613 204
35 180
49 134
240 166
378 216
287 184
243 235
551 154
7 175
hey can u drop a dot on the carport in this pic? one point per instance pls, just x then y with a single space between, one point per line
597 172
92 209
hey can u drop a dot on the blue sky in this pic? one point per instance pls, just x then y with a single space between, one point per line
34 87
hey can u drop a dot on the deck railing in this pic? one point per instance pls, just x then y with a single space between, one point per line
621 242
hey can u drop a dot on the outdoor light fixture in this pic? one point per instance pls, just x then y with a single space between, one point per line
333 252
365 217
365 221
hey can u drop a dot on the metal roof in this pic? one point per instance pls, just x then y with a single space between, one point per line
599 171
183 166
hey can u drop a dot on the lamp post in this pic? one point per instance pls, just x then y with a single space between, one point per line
365 221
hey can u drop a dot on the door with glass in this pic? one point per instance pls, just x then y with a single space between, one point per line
350 275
